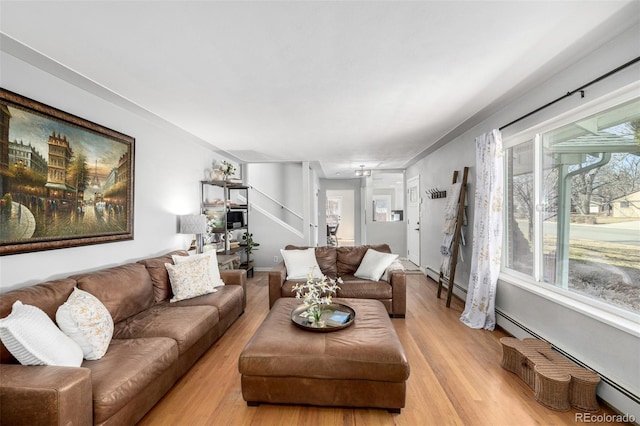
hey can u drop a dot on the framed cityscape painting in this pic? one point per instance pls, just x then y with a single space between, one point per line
64 181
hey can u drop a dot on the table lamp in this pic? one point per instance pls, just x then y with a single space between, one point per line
196 225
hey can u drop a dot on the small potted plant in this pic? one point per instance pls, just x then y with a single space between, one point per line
247 240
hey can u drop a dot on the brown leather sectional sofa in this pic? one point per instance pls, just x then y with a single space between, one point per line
154 343
343 262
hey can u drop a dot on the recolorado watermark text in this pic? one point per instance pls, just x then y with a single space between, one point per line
604 418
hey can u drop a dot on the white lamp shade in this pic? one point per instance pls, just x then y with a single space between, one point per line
193 224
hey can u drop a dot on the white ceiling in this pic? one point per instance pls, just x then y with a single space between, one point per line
341 83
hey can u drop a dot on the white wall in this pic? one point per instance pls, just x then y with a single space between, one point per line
280 181
272 238
609 346
392 233
436 171
169 163
283 184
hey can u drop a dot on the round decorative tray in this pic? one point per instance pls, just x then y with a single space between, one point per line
335 317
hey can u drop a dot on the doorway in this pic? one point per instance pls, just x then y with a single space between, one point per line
413 220
340 215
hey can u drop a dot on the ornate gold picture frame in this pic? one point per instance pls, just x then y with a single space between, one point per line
64 181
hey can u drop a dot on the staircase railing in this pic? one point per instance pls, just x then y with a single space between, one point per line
276 211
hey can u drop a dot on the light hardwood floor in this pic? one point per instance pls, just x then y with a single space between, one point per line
456 378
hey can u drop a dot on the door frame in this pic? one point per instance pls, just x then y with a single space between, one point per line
413 182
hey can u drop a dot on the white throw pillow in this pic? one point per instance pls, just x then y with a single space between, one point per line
190 279
33 338
373 265
87 321
214 270
301 263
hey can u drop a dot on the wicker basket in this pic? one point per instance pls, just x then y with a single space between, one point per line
557 382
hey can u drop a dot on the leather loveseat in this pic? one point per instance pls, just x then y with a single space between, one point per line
154 343
343 262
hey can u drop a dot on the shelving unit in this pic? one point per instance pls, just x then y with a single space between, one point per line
226 206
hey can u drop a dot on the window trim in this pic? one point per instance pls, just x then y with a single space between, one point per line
538 210
610 314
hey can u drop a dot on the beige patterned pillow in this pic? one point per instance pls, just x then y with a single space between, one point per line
214 270
87 321
190 279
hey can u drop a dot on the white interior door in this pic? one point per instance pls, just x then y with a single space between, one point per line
313 209
413 220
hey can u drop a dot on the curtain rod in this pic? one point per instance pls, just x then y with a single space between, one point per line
579 89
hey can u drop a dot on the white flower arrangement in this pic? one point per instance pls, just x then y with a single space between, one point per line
227 168
316 295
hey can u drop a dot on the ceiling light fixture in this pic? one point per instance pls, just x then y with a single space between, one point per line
362 172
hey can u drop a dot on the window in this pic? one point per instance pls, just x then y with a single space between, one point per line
520 208
381 208
573 207
334 209
387 197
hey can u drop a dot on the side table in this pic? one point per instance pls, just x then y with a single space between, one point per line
248 267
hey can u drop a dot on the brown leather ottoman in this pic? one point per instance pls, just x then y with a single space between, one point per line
363 365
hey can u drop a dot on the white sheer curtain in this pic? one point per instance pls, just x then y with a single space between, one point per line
479 310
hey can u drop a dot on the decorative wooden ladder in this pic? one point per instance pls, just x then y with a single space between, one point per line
450 281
